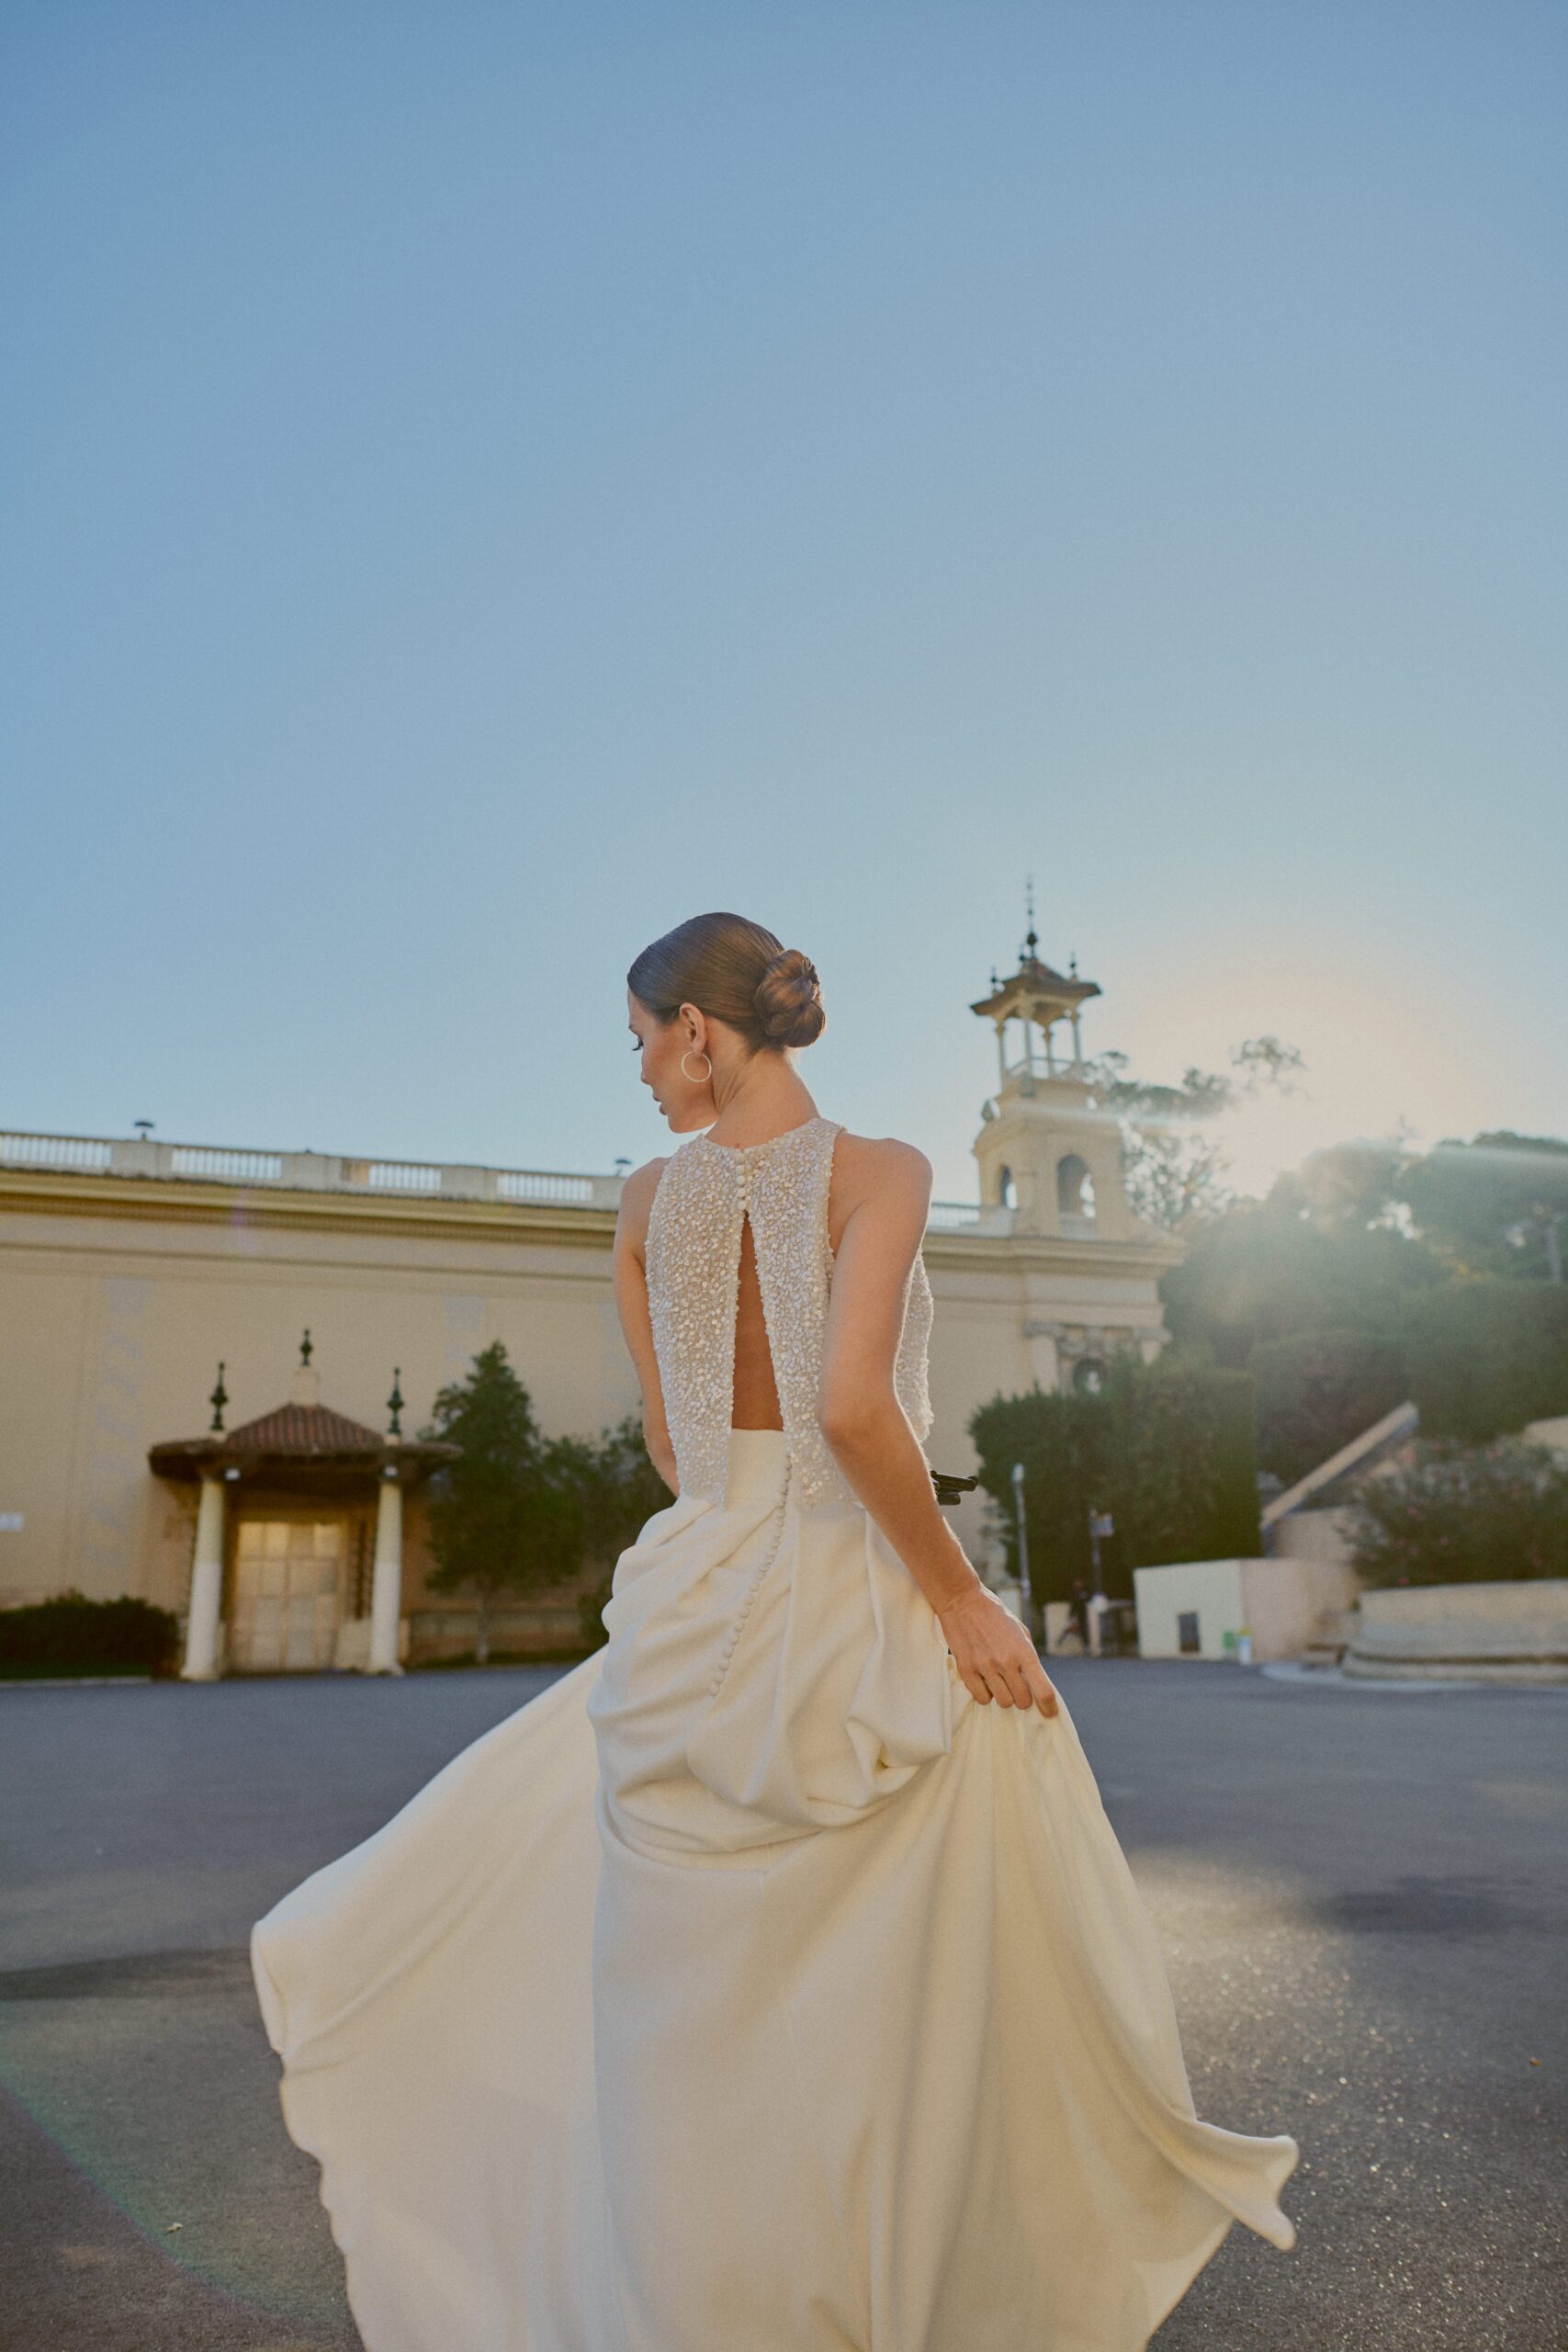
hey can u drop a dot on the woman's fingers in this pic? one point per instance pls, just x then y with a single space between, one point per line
1017 1683
1044 1691
995 1657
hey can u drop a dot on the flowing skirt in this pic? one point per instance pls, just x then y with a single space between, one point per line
753 1989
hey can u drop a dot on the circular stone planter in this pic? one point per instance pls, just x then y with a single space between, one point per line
1477 1633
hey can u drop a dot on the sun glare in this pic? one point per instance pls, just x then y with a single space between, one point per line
1380 1056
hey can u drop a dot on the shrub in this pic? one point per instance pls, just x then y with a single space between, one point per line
1168 1449
73 1636
1184 1465
1487 1356
1459 1514
618 1491
1317 1390
1064 1444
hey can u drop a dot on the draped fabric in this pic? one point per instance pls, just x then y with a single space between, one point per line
753 1989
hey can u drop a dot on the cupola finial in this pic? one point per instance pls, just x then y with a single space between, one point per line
307 1389
218 1399
395 1403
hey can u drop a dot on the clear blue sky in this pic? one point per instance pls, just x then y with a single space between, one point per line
482 483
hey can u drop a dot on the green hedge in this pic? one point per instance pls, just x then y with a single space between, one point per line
1168 1450
1064 1444
1185 1469
1319 1389
1487 1356
73 1636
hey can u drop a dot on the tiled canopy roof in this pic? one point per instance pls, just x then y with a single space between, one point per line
303 1442
1034 978
305 1430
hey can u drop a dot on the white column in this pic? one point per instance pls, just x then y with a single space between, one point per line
205 1587
386 1584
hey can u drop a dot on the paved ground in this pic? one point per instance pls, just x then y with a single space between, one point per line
1361 1895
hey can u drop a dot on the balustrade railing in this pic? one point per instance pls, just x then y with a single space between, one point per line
311 1171
968 1216
317 1171
1047 1066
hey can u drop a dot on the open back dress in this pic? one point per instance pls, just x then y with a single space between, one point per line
754 1988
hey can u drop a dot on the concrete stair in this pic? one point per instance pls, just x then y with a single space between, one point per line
1331 1638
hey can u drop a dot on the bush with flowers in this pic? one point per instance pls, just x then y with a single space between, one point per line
1462 1514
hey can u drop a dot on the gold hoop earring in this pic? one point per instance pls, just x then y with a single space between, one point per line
686 1073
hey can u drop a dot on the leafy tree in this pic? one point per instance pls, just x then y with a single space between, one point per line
1373 1238
1459 1514
1316 1390
618 1491
503 1519
1167 1449
1498 1206
1172 1158
1351 1187
1271 1269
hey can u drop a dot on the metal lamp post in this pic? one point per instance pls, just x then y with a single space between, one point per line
1101 1524
1036 1612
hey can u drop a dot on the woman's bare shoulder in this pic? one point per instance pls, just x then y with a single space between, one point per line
636 1197
881 1166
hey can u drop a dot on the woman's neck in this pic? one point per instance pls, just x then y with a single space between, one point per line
756 1113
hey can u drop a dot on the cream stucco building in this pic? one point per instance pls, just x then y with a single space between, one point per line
292 1536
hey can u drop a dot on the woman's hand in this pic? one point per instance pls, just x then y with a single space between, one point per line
994 1652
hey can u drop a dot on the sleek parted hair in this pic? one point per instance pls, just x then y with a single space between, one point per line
737 972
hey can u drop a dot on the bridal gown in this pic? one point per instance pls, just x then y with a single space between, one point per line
754 1988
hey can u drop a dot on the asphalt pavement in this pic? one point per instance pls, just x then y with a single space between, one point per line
1361 1895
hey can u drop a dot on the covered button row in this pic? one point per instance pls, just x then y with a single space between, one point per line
731 1638
752 1589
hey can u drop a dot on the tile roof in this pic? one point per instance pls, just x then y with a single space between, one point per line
304 1430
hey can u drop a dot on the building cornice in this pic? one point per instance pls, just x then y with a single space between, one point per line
146 1199
1043 1253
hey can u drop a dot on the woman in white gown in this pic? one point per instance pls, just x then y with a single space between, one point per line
774 1981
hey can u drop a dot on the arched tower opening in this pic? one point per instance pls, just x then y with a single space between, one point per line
1075 1194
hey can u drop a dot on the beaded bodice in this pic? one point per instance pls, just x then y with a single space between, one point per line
693 1257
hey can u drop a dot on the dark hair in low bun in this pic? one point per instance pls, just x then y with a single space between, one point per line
736 972
789 999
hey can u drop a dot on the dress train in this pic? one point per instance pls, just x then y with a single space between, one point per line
753 1988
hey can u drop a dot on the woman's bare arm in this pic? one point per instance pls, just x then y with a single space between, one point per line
630 1275
870 1437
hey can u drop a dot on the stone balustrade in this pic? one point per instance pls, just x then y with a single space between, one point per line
316 1172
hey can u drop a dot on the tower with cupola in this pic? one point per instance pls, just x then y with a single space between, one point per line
1045 1150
